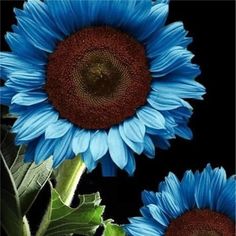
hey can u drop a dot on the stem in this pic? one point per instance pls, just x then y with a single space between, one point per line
26 228
69 174
67 177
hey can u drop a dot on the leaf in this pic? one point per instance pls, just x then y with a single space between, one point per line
29 179
11 220
113 230
63 220
8 148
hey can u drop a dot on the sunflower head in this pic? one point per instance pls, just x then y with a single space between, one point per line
201 204
104 79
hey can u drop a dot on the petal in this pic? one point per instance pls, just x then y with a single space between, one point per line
37 36
63 149
151 117
141 226
134 129
109 169
131 164
158 215
81 140
149 148
34 123
117 148
171 60
57 129
169 36
136 147
187 186
25 80
88 160
29 98
162 102
183 88
148 197
202 190
6 95
98 145
226 201
43 150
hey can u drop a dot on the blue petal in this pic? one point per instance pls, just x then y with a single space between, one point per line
160 142
169 36
81 140
187 186
141 226
109 169
57 129
180 87
134 129
88 160
218 181
23 48
37 36
63 149
117 148
30 151
172 186
154 20
226 201
131 165
167 101
151 117
171 205
34 123
148 197
29 98
26 80
136 147
184 132
202 191
10 63
158 215
38 11
171 60
43 150
98 144
149 148
60 9
6 95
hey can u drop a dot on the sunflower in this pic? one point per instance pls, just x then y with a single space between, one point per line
201 204
105 79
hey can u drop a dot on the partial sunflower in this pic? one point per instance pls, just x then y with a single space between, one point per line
105 79
201 204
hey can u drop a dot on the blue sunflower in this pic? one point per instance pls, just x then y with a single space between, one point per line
201 204
105 79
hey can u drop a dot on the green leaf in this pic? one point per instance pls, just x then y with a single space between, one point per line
8 148
62 220
29 179
11 220
113 230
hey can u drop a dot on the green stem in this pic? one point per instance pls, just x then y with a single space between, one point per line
26 228
67 178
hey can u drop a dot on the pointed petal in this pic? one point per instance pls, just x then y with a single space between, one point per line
98 145
117 148
57 129
151 117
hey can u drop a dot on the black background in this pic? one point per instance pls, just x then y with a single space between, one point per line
211 24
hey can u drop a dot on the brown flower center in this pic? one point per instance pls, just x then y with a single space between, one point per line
98 77
201 223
